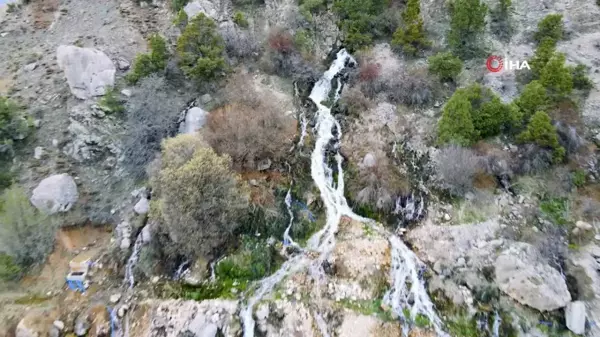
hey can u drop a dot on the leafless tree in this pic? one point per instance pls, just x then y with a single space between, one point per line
456 167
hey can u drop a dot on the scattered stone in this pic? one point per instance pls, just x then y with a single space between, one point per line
30 67
461 262
126 92
115 298
575 317
37 123
597 237
38 153
122 310
125 244
447 217
584 226
123 64
369 160
264 165
253 182
3 34
55 142
155 279
57 193
89 71
142 206
205 98
60 325
521 199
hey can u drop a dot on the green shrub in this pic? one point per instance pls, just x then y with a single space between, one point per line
239 19
580 79
310 7
303 41
9 270
181 19
178 5
411 38
544 52
456 125
556 77
111 102
467 23
533 98
556 210
12 125
253 261
154 62
25 234
578 178
358 21
200 200
200 50
550 27
445 65
541 132
500 23
473 113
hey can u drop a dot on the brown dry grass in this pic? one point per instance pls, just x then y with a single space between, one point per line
43 12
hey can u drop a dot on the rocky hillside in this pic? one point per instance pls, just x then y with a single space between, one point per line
299 168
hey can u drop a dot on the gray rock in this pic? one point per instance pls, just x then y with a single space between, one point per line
38 152
194 120
142 206
369 160
264 165
584 226
575 317
89 71
205 98
30 66
126 92
206 7
115 298
81 326
54 332
57 193
60 325
209 330
123 64
523 275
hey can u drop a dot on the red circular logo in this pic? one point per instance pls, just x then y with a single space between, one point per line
494 63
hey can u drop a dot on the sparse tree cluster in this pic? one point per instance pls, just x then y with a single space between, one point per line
474 113
445 65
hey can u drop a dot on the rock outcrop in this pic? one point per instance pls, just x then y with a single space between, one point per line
575 317
89 71
174 318
195 119
36 323
523 275
57 193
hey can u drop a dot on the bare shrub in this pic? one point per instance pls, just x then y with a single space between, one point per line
241 90
250 135
281 41
376 182
200 201
240 42
456 167
354 101
292 65
568 137
152 114
25 234
411 88
532 160
369 72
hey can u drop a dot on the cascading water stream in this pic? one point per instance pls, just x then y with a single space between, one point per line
408 290
133 259
496 326
287 239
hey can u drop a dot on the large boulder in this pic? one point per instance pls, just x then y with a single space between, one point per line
209 8
523 275
195 119
94 322
89 71
575 317
36 324
57 193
